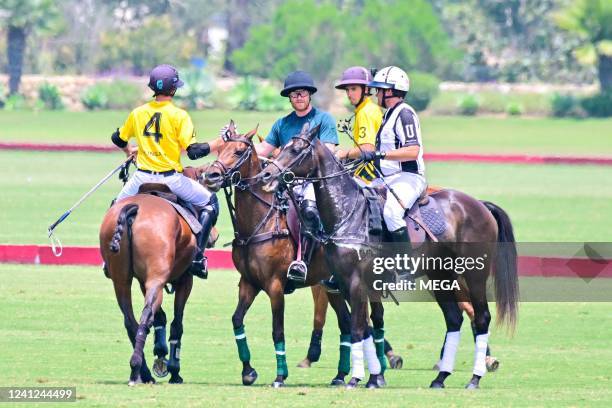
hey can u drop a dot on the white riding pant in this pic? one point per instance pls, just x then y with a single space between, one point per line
408 187
185 188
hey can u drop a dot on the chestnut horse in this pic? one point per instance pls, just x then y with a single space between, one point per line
262 251
143 237
351 249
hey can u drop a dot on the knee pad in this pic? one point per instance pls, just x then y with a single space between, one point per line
311 214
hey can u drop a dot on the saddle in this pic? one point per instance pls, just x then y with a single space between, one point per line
424 219
184 209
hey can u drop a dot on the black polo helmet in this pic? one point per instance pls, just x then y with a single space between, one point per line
298 80
164 80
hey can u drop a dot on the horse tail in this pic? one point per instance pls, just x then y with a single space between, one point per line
506 270
126 218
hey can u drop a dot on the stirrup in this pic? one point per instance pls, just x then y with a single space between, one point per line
297 271
199 268
330 285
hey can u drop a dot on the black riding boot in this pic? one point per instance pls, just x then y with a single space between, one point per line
208 218
401 238
298 270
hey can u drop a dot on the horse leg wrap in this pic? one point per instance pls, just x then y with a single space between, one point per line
174 364
370 355
480 353
357 359
344 364
281 359
379 343
451 343
475 334
241 342
161 348
314 350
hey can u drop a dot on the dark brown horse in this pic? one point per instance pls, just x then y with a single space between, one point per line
143 237
262 250
351 249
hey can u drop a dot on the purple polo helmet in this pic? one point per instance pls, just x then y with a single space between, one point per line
354 76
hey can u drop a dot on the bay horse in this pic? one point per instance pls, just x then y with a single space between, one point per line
262 250
143 237
344 209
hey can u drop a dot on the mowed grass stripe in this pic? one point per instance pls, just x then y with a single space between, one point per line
440 133
545 202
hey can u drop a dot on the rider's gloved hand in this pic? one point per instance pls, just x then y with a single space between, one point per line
371 156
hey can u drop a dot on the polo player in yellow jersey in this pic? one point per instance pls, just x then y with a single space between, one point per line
368 117
162 131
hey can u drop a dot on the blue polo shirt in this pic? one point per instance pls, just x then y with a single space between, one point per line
285 128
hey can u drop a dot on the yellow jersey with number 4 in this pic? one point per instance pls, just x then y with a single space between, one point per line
162 131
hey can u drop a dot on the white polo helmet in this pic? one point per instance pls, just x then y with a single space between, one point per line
391 78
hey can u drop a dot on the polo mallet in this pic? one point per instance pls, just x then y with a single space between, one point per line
122 167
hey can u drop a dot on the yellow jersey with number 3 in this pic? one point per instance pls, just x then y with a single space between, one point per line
368 118
162 131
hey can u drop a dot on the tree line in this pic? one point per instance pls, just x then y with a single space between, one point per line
469 40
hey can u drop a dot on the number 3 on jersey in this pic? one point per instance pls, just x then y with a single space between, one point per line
153 121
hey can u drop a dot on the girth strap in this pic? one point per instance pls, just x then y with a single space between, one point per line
265 236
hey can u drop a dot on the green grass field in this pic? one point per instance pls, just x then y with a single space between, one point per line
441 134
61 327
545 202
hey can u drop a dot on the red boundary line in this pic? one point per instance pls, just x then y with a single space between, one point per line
222 259
461 157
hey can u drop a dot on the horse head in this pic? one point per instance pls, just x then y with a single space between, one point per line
297 158
232 162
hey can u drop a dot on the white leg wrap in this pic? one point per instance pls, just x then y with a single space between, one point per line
357 360
371 357
450 350
480 354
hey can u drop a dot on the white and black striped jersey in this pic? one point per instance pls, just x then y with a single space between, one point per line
400 128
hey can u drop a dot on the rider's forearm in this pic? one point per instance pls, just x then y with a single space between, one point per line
355 152
403 154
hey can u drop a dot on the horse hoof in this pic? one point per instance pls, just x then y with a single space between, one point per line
472 386
249 379
373 382
278 384
337 382
160 367
492 364
305 363
353 383
380 380
436 385
176 380
396 362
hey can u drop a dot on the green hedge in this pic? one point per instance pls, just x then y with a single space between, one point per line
120 95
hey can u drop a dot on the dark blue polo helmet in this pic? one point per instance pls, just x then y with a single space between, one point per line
298 80
164 79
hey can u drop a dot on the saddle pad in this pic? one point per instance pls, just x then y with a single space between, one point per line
189 218
432 216
375 219
171 198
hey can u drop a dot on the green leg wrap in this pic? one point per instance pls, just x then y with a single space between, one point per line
241 343
379 343
281 359
344 365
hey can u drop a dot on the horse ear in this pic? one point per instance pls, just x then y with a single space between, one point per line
261 139
314 132
305 128
232 127
253 133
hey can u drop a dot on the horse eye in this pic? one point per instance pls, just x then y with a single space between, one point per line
238 153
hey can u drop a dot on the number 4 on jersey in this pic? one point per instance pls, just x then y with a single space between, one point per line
153 121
